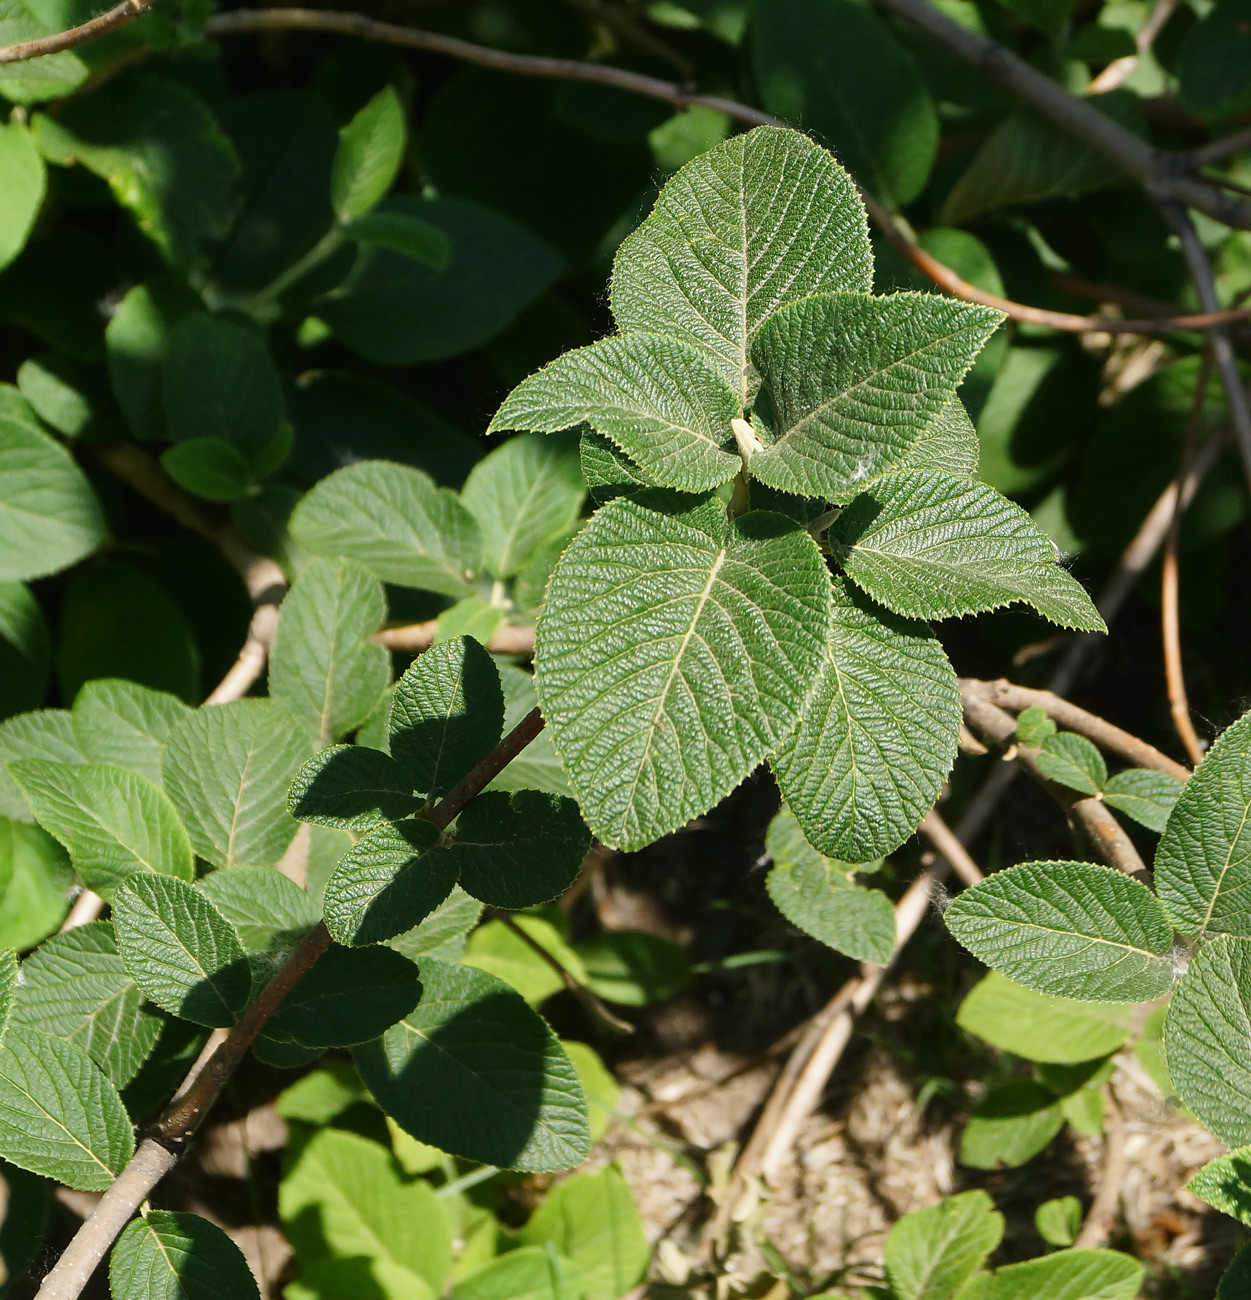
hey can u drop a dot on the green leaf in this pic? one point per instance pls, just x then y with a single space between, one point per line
371 149
112 822
76 987
1068 1275
269 911
324 668
208 467
137 340
947 445
537 767
25 650
47 734
601 1088
227 768
181 951
608 472
441 934
1225 1183
929 546
834 67
475 1072
665 402
1010 1126
497 949
1215 66
345 1197
1236 1281
59 1115
632 967
1038 1027
849 382
23 180
396 522
126 725
65 394
591 1220
322 1095
400 232
516 850
163 1255
388 881
675 652
763 219
523 495
1059 1221
931 1253
49 516
1203 864
34 80
447 714
1034 727
1207 1038
471 617
1148 797
36 881
1073 761
1068 929
528 1273
877 737
353 787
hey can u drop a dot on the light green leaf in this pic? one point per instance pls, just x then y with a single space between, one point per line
371 149
322 1095
516 850
181 951
850 381
25 650
1148 797
473 1071
1068 929
403 233
591 1220
931 1253
528 1273
31 81
609 472
59 1115
1225 1183
1010 1126
76 987
758 221
878 736
665 402
126 725
36 882
1059 1221
523 495
631 967
601 1087
324 668
1038 1027
1203 864
472 617
1072 760
447 714
23 180
1207 1038
351 786
112 822
1033 727
46 734
227 768
396 522
675 652
947 445
930 546
163 1255
1067 1275
537 766
823 902
49 515
498 950
442 934
269 911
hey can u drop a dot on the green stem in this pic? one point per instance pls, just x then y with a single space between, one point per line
326 246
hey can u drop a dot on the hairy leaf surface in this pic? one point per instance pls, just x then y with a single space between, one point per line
931 1253
351 786
1225 1183
166 1255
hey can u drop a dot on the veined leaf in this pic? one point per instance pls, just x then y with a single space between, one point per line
371 149
36 884
1203 864
112 822
396 522
877 738
1068 929
609 472
163 1255
1225 1183
45 734
442 934
1146 796
664 401
931 1253
930 546
1066 1275
1011 1125
675 652
8 982
474 1071
528 1273
269 911
1074 761
947 445
126 725
351 786
850 381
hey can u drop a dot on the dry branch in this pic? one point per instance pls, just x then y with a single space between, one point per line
413 638
91 30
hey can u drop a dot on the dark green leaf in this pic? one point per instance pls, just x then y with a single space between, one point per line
1215 69
353 787
208 467
164 1255
25 650
1225 1183
400 232
608 472
536 767
138 342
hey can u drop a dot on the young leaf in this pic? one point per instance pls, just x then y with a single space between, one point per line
1058 1221
849 382
930 546
523 495
396 522
1225 1183
1148 797
353 787
23 179
931 1253
390 879
475 1072
59 1116
665 402
763 219
76 987
46 734
516 850
227 768
1066 1275
1207 1038
126 725
163 1255
947 445
181 951
528 1273
324 668
403 233
446 715
1011 1125
1203 864
1073 761
371 149
877 737
112 822
269 911
1034 727
1068 929
676 650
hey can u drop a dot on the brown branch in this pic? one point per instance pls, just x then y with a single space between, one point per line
1101 1217
91 30
413 638
470 786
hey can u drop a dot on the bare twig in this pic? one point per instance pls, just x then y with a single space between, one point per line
87 907
1101 1217
1218 150
91 30
416 637
1119 70
950 846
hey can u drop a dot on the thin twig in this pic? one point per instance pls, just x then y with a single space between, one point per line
91 30
470 786
413 638
951 847
1218 150
87 907
1120 70
1101 1217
